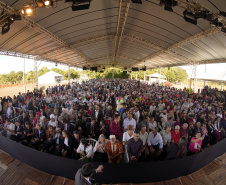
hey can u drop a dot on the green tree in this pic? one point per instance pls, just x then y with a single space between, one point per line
43 71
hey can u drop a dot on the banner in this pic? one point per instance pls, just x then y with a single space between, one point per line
143 172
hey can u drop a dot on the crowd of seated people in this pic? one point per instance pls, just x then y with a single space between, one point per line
115 120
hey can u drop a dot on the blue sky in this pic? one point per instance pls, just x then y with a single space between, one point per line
9 63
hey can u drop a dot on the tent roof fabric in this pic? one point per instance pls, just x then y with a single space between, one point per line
214 78
156 75
50 74
114 32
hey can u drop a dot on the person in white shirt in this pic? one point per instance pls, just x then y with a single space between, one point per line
164 115
185 107
129 121
8 129
128 134
152 124
52 121
152 108
166 136
144 138
136 114
9 110
85 149
99 149
155 143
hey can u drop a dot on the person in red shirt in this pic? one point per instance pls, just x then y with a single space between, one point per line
115 127
175 135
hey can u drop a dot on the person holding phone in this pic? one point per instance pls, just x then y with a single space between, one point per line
196 143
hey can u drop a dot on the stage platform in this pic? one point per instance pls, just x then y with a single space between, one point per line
12 172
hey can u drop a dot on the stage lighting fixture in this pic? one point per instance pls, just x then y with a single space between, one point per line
168 4
40 3
84 68
56 64
223 13
207 15
190 17
5 28
125 72
101 71
48 3
223 29
125 68
137 1
144 68
216 22
103 68
28 11
80 5
135 69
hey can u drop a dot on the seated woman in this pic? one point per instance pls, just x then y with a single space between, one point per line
99 150
177 150
67 144
206 140
196 143
49 138
127 135
27 134
85 149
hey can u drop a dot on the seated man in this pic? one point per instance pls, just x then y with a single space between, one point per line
56 140
155 143
8 129
114 150
127 135
39 137
92 129
16 136
134 147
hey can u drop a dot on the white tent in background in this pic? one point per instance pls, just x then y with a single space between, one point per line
50 78
156 78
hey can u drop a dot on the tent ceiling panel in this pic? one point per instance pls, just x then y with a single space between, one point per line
137 32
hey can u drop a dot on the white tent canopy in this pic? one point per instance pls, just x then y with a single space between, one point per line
214 78
156 75
50 77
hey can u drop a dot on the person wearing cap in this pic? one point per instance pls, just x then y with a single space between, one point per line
114 150
52 121
134 147
84 174
128 134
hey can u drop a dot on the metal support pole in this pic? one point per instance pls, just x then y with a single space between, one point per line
136 75
131 75
205 80
159 74
221 86
69 75
113 73
35 74
24 77
195 79
82 74
144 76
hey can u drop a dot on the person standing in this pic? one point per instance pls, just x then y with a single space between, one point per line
84 174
